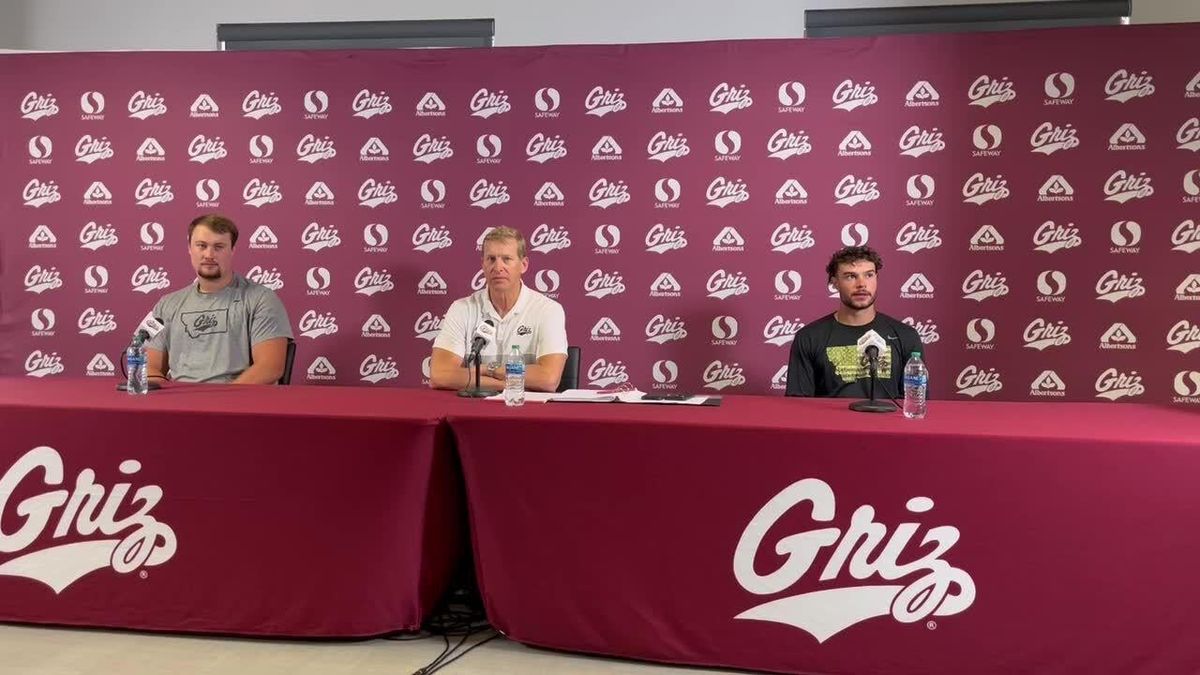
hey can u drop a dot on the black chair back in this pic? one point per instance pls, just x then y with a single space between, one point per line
288 362
570 374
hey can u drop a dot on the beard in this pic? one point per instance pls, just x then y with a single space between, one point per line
849 301
209 272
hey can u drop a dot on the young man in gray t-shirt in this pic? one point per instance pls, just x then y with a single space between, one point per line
222 327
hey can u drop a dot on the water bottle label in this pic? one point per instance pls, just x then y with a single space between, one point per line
915 380
514 369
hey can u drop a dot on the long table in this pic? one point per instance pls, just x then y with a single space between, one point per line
796 536
299 511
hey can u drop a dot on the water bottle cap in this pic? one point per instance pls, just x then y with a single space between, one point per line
916 354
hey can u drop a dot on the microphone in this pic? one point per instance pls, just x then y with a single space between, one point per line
485 333
868 347
148 328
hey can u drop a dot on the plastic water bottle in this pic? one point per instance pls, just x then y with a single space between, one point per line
135 368
514 378
916 381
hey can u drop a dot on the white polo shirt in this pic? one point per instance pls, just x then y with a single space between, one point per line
536 324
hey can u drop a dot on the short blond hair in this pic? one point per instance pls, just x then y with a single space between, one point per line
500 234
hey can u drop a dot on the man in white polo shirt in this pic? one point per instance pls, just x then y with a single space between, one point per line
522 316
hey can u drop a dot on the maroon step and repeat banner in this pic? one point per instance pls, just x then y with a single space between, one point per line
1034 195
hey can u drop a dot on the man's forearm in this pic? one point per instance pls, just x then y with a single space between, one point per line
259 373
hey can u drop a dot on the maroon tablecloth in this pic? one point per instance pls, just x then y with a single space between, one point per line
254 510
797 536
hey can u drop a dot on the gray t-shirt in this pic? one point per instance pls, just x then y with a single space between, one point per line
208 336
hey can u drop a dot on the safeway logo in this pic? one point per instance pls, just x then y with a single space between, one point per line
316 105
1059 88
986 91
855 234
1125 236
839 599
1114 286
547 101
1123 186
667 192
41 150
973 381
987 139
851 191
433 194
125 544
1049 138
979 285
725 98
1113 384
603 374
728 144
1187 387
601 101
664 373
1123 86
849 95
922 95
1052 286
791 96
980 334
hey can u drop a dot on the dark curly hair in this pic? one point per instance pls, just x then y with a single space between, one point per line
852 254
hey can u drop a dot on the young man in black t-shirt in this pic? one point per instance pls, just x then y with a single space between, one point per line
824 359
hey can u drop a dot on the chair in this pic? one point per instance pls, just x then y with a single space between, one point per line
288 361
570 374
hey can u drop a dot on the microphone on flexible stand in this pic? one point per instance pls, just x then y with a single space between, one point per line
485 333
869 346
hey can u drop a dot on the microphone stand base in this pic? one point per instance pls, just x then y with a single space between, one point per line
477 393
873 406
150 386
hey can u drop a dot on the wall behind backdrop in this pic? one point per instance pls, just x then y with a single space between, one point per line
1034 196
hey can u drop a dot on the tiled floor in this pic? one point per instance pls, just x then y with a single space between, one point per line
32 650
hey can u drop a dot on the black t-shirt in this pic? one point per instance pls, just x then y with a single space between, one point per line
824 358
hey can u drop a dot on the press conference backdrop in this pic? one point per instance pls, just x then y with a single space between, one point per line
1034 195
